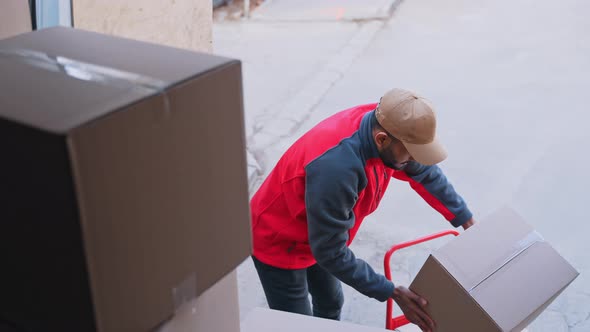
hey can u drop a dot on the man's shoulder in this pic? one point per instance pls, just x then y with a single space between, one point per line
341 161
334 136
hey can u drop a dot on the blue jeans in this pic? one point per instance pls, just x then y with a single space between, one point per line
288 290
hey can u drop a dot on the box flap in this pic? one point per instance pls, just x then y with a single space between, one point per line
497 238
514 293
448 302
82 75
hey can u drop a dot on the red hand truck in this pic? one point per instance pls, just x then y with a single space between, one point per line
392 323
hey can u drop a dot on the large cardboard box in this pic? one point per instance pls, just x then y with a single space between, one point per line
123 173
497 276
15 18
267 320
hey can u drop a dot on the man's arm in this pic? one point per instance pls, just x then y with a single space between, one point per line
331 192
430 183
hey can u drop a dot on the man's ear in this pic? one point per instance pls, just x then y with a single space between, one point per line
380 139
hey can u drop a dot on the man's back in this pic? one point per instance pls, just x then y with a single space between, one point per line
279 220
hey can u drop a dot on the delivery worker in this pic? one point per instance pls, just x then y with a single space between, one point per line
308 210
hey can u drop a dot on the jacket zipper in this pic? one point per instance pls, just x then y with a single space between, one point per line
377 181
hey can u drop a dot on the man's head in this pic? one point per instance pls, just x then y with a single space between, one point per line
405 129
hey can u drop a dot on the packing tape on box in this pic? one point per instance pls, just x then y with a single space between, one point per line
90 72
523 244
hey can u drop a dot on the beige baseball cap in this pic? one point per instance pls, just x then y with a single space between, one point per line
411 119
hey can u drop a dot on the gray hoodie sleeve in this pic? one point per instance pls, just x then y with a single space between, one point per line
331 191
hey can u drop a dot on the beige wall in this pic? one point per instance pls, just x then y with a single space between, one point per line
14 18
180 23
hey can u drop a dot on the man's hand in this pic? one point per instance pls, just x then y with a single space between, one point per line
468 223
413 307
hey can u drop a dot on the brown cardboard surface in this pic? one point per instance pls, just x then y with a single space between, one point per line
141 169
505 270
449 305
523 285
496 238
67 95
537 312
148 189
120 53
216 310
267 320
62 94
15 18
44 279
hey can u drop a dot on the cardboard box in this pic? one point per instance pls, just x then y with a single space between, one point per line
267 320
15 18
497 276
216 310
124 187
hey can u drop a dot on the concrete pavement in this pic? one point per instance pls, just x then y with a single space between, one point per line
509 84
324 10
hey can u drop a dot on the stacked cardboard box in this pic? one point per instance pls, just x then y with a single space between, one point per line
215 310
124 191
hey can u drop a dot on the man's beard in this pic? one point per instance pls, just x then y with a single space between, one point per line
389 160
